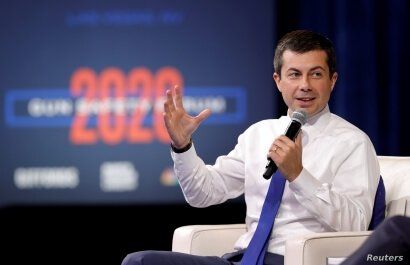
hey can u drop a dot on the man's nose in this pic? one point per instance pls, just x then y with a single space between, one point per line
305 83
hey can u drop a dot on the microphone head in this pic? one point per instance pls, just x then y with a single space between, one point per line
299 116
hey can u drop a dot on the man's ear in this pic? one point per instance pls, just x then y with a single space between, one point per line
276 77
334 79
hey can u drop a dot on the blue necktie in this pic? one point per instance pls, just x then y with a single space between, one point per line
255 253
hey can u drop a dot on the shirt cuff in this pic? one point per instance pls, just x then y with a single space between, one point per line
185 162
305 184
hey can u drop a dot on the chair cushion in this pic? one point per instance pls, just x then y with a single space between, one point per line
379 209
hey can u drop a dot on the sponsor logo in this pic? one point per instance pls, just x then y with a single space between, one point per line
168 177
118 176
46 178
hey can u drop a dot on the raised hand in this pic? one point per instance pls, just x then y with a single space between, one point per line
179 124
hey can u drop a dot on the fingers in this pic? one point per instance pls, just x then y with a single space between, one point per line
178 97
174 111
283 144
203 115
169 102
288 156
167 121
174 99
167 112
273 151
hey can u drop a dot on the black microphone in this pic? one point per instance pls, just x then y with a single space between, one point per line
299 118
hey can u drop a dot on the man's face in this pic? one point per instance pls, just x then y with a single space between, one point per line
304 81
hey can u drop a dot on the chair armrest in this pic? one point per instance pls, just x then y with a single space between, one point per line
314 249
399 207
207 240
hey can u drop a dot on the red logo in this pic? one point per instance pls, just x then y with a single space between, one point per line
121 105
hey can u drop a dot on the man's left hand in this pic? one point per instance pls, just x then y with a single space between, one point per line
287 155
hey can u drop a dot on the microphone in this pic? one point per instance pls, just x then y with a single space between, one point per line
299 118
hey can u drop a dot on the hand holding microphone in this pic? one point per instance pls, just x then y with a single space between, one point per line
299 118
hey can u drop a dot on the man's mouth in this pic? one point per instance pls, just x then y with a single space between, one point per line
306 99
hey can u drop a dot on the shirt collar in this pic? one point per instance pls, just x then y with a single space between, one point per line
317 123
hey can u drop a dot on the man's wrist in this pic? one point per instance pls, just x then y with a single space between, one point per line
295 176
183 149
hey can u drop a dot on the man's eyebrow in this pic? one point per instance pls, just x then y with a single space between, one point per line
311 69
293 69
316 68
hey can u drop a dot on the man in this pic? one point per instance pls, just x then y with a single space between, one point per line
331 169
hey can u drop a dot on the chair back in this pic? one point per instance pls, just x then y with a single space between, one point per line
396 177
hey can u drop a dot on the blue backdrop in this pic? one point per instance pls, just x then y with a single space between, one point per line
371 40
81 86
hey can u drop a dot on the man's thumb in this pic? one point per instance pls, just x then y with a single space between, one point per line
203 115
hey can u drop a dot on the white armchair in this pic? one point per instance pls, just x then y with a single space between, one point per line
314 249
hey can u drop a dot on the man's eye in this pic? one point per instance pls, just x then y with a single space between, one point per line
294 74
317 74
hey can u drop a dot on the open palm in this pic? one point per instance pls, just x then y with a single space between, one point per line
180 125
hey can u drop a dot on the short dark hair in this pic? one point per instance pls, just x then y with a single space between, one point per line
301 41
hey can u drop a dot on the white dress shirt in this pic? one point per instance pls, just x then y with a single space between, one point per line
334 192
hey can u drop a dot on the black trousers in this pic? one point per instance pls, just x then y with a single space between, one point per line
152 257
388 244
